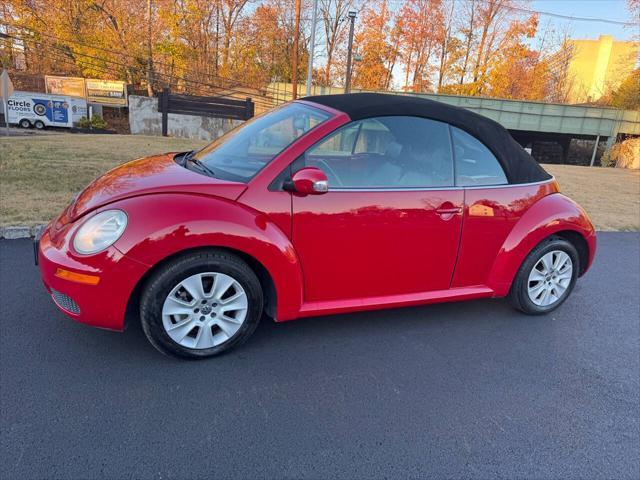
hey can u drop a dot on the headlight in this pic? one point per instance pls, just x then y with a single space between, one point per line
100 231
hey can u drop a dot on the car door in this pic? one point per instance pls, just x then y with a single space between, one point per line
391 221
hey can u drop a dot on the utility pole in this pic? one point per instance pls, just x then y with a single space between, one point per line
294 59
150 52
347 81
215 65
312 46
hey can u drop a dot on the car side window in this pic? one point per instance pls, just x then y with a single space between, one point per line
385 152
475 164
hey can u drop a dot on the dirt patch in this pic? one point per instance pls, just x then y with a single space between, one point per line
611 196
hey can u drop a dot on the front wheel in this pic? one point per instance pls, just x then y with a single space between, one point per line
39 124
546 278
201 304
24 123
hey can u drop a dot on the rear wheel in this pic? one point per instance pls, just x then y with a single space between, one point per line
201 305
39 124
546 278
24 123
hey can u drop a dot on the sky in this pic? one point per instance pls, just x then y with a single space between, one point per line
598 9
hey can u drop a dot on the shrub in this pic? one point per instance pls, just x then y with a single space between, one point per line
624 154
606 160
84 123
98 122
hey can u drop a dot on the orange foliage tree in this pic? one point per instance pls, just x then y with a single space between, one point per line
373 47
473 47
421 23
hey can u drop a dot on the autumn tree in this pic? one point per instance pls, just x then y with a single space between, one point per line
517 70
222 47
449 45
467 27
421 23
373 46
230 11
83 37
335 23
270 31
627 95
557 53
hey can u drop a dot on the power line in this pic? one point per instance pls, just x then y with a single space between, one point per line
550 14
263 100
123 54
571 17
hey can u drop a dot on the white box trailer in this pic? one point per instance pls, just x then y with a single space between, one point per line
41 110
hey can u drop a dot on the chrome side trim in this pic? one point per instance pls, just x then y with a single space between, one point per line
542 182
406 189
427 189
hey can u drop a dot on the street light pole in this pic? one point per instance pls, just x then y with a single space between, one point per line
149 51
347 81
312 46
294 60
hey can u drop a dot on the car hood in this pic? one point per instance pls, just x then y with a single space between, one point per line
156 174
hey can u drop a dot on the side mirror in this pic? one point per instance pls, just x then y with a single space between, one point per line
308 181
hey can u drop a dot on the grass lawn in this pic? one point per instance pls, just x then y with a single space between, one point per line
40 174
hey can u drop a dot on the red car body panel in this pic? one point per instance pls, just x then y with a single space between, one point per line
103 305
550 215
337 252
151 175
376 244
490 215
502 225
169 228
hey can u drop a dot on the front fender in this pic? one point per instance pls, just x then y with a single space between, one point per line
551 214
162 225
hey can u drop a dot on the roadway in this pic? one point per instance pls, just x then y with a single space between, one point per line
471 390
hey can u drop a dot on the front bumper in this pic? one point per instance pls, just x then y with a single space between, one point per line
102 305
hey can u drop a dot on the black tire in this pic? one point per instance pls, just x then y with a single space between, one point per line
24 123
519 296
39 124
161 282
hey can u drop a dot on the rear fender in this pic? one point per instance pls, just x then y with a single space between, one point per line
162 225
551 214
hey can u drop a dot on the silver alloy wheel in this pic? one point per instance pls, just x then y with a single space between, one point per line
204 310
549 278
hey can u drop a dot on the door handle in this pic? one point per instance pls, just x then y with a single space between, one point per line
448 211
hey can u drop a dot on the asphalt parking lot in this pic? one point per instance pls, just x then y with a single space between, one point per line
453 390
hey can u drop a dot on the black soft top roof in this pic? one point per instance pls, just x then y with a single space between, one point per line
518 165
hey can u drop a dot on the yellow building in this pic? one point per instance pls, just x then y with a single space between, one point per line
598 66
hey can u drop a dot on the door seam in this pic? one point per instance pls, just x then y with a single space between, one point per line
462 222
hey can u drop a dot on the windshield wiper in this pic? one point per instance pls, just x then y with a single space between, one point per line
203 166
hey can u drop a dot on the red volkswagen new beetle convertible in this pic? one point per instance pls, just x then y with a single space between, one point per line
325 205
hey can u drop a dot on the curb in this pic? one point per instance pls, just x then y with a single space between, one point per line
20 231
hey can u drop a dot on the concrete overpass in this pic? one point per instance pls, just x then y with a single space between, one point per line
535 123
529 122
576 120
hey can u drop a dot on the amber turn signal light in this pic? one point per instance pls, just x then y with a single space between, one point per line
77 277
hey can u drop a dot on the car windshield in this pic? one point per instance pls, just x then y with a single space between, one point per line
241 153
